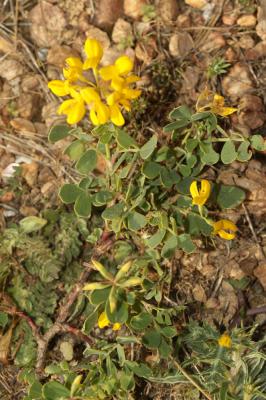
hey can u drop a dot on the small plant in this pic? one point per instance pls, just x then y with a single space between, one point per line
218 66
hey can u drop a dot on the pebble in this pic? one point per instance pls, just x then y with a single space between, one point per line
247 21
122 31
134 8
180 44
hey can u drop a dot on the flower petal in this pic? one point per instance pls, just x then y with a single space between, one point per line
90 95
74 62
94 52
124 65
59 88
131 93
118 83
205 189
108 73
225 235
99 114
116 115
224 111
194 189
74 109
103 321
116 326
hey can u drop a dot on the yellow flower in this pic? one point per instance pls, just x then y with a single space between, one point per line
213 103
103 322
225 341
121 99
225 229
199 198
94 53
103 100
73 108
117 73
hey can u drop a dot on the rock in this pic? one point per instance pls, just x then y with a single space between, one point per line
30 83
107 12
28 211
58 54
237 82
45 175
96 33
180 44
134 8
246 42
23 125
27 105
122 32
214 42
30 173
40 128
261 26
7 197
11 69
229 19
256 52
183 21
167 10
47 24
260 273
212 302
6 46
49 188
110 55
247 20
49 114
196 3
199 293
230 55
146 51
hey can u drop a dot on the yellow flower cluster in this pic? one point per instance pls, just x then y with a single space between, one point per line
103 322
213 102
104 91
224 228
225 341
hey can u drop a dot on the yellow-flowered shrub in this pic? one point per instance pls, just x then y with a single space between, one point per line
102 91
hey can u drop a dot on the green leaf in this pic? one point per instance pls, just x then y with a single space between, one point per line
141 370
242 152
69 193
175 125
165 349
99 296
185 242
103 197
82 205
200 115
258 143
119 315
168 331
3 319
208 155
32 224
169 247
114 212
141 321
152 339
185 170
87 162
155 239
169 177
181 112
191 144
147 149
151 169
90 322
125 140
228 153
230 196
35 391
75 150
197 225
55 391
59 132
136 221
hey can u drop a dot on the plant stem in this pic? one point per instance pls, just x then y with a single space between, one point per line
191 380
